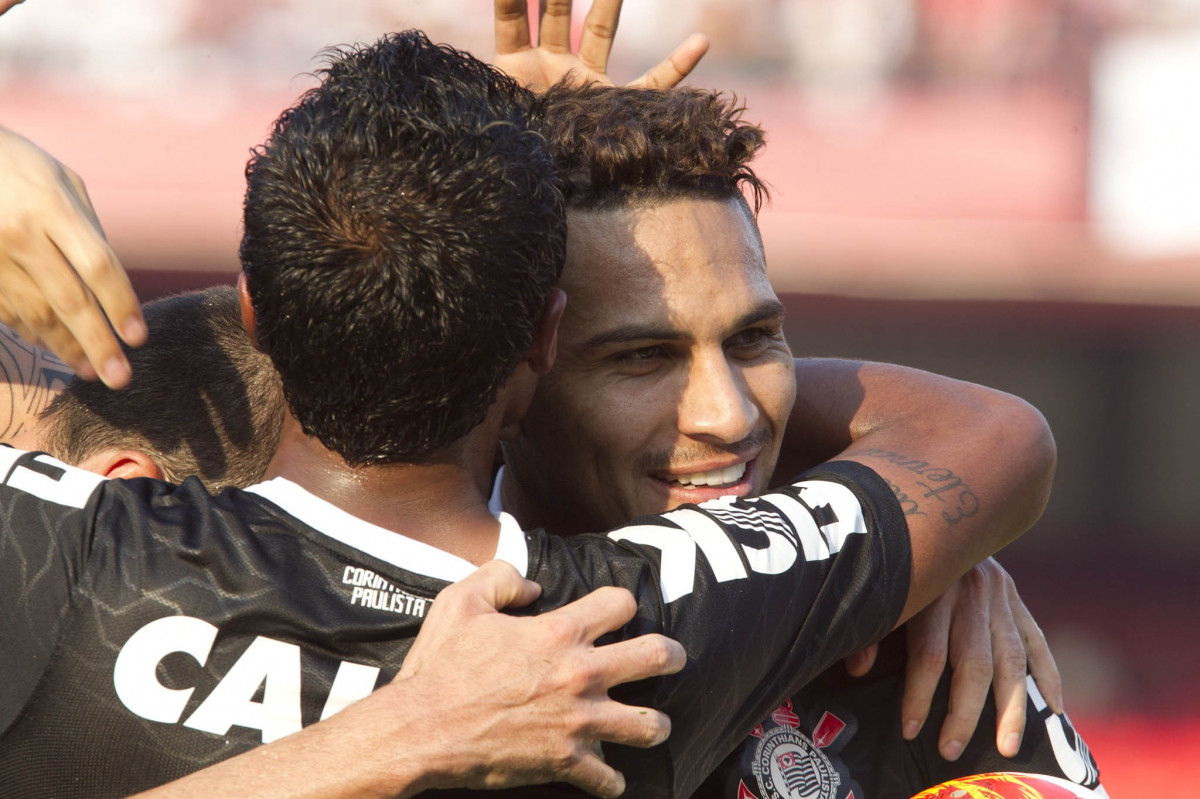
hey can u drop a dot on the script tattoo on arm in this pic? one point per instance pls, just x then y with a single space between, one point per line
31 378
955 500
907 504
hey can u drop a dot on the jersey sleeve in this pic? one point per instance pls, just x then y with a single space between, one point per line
46 509
764 593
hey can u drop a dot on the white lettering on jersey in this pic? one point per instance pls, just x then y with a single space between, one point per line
819 540
134 674
779 554
72 487
373 591
677 567
274 666
846 511
352 682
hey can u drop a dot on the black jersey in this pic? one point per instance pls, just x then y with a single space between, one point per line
149 630
839 738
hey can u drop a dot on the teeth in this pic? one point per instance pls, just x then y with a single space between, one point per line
714 477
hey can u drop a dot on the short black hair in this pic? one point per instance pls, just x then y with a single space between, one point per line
616 146
403 231
202 400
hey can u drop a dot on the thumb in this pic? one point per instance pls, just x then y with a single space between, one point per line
498 585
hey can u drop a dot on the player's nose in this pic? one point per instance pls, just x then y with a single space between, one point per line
716 404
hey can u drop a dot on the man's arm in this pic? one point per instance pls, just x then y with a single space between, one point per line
971 476
980 624
531 694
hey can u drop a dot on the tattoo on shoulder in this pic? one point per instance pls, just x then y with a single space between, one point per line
955 499
32 377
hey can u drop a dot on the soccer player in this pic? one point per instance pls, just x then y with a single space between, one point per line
980 634
638 169
234 644
204 402
664 391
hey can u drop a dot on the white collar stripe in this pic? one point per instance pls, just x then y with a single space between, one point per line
394 548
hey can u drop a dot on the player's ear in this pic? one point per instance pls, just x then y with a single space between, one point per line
545 334
122 464
248 320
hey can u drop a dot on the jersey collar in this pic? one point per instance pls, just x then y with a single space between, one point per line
394 548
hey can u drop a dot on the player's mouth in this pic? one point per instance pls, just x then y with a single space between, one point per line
713 478
702 485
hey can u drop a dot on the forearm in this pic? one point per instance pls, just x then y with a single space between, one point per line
375 748
971 466
29 378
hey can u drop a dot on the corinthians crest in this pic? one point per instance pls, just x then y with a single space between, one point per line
787 765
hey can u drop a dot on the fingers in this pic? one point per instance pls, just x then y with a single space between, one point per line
13 322
88 252
1008 654
63 312
858 664
971 663
36 316
599 30
495 584
675 67
928 634
1041 663
602 611
642 727
512 26
640 658
595 776
60 278
554 28
81 197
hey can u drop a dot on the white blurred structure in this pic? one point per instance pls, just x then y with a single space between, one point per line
1145 159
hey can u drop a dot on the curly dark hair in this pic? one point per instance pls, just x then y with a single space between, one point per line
616 146
203 401
403 232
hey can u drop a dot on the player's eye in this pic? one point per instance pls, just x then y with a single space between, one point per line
641 360
753 341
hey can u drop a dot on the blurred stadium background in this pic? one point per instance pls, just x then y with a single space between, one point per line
1006 191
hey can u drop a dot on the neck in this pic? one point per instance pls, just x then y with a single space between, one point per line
442 502
530 513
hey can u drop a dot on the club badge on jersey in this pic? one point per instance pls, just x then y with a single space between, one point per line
794 760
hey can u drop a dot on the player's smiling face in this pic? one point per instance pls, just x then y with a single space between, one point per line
673 381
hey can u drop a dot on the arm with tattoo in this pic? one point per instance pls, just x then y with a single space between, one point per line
963 460
29 378
971 466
